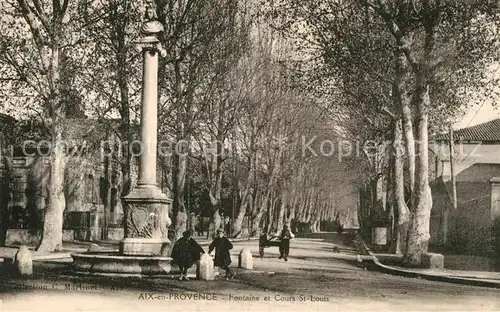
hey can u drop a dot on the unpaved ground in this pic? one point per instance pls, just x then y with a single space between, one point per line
310 281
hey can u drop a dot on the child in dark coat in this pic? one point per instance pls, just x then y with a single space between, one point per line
222 245
186 252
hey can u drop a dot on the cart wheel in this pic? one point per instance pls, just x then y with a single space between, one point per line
261 251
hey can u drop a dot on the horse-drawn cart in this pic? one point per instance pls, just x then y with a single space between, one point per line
268 241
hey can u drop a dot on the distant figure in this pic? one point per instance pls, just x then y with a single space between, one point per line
274 232
285 237
340 228
227 224
186 252
199 225
222 259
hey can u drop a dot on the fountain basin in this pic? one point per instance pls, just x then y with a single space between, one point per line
114 263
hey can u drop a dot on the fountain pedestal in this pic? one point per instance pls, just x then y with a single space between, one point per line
146 207
144 249
146 213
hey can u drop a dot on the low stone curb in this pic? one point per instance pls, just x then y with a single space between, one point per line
40 257
378 266
67 254
232 240
169 276
51 257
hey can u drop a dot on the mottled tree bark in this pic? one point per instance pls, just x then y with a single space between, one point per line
403 213
53 221
419 232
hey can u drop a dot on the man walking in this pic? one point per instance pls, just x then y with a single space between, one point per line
285 237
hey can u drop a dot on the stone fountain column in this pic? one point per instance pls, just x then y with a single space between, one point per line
146 207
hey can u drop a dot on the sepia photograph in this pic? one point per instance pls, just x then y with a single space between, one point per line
249 155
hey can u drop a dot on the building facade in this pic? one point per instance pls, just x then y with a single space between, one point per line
476 162
92 190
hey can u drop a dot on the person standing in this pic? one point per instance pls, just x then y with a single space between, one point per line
222 245
186 252
285 237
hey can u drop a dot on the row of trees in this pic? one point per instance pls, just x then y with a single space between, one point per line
227 102
398 71
239 99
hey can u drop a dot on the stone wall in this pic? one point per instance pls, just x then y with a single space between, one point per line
116 233
441 201
85 186
470 232
68 235
469 226
18 237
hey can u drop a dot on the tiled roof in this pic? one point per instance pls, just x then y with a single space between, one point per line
488 131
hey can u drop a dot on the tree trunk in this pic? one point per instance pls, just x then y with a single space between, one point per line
315 223
312 225
244 202
216 189
256 224
291 215
271 213
5 193
265 200
403 130
403 216
291 212
54 218
253 205
179 214
282 210
53 221
179 157
125 133
419 232
238 222
310 208
260 207
107 195
317 214
401 98
251 208
246 197
216 218
409 142
305 206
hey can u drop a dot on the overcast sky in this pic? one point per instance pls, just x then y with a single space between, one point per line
479 114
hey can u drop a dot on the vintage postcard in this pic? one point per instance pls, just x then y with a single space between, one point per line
249 155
